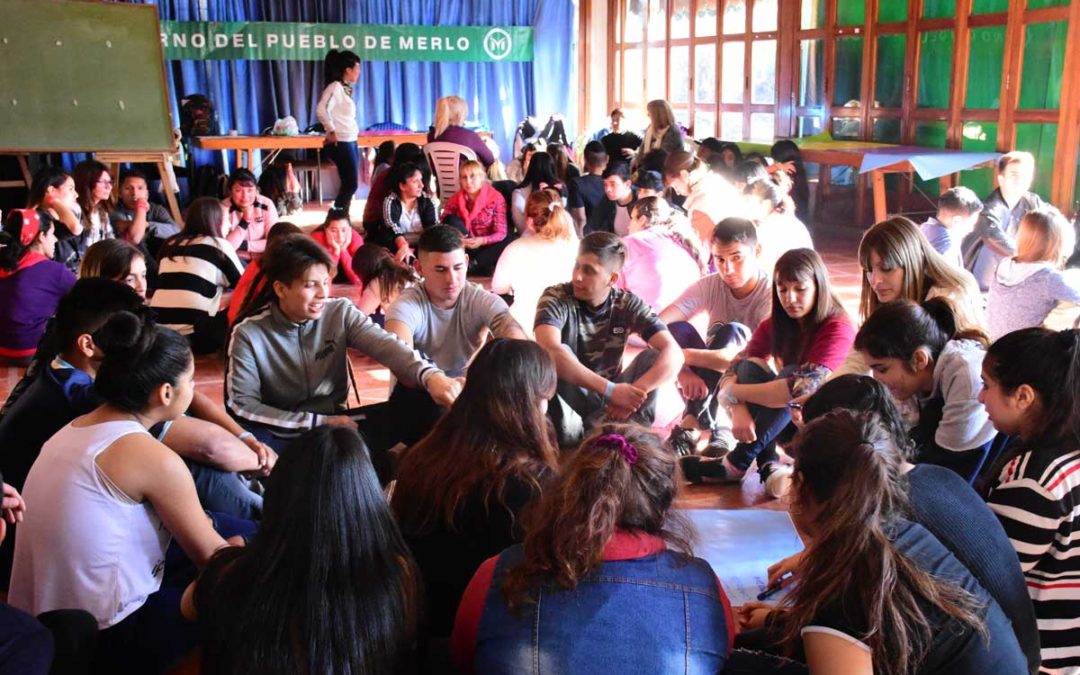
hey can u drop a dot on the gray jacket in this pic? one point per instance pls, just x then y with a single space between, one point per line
289 376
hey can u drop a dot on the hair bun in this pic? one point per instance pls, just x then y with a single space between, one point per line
124 335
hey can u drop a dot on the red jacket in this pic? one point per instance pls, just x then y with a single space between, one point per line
344 260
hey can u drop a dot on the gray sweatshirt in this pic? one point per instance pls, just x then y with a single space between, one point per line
1023 294
289 376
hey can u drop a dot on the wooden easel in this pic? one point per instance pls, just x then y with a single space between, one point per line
23 166
164 162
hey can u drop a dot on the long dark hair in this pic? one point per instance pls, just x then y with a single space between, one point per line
336 63
86 174
494 431
541 171
849 468
327 585
373 262
202 219
1048 362
897 329
139 357
11 247
860 394
791 337
286 262
598 490
47 177
786 151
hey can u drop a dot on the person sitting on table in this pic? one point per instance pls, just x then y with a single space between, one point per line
341 241
31 282
287 364
478 211
876 593
994 235
737 298
605 580
450 115
612 214
959 209
586 191
663 132
445 317
585 325
197 267
249 215
406 212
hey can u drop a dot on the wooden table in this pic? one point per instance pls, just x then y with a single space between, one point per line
878 159
245 146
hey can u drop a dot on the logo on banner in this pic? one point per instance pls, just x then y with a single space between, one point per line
497 44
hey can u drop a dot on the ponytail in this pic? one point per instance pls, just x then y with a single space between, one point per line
620 478
660 215
897 329
549 216
851 473
336 63
21 229
139 357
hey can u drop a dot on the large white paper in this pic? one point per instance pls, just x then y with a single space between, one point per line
741 545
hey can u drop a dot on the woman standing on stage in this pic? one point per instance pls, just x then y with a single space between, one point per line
337 113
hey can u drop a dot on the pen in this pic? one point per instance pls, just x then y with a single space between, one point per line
774 589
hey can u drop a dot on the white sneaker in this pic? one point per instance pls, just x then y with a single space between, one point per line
777 479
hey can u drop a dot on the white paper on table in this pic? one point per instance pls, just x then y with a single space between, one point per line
741 545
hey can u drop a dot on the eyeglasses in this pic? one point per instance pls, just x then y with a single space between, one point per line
105 181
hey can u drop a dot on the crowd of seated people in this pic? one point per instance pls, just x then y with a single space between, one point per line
510 506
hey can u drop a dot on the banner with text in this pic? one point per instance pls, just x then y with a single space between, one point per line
268 41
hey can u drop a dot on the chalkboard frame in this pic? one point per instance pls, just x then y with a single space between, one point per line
84 29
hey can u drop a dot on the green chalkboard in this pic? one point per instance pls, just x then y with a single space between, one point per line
81 76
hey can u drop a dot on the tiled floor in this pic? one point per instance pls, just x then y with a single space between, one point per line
372 381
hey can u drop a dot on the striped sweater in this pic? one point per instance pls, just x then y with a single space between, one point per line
1037 499
192 280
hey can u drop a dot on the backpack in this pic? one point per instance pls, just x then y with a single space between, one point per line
198 117
208 181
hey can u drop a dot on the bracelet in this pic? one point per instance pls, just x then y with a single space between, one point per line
609 391
244 435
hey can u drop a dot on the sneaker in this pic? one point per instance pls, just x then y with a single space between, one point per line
716 448
777 479
681 442
697 469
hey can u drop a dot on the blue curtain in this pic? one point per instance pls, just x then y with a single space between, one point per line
250 95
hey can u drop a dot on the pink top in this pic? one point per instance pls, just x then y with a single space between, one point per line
485 217
254 232
657 269
344 260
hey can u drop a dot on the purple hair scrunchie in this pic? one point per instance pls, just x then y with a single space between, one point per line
619 443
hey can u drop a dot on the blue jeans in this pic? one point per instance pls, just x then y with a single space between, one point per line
720 336
346 157
768 422
225 492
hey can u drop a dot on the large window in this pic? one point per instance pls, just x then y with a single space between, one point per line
971 74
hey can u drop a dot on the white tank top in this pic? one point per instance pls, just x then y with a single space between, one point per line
84 544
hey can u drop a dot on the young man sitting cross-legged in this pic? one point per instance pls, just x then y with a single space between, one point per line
584 325
737 298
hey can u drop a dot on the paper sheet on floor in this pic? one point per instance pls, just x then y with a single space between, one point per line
741 545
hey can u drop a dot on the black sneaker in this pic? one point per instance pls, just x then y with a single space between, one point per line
681 442
698 469
716 449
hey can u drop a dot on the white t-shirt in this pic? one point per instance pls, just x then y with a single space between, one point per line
711 294
336 111
529 265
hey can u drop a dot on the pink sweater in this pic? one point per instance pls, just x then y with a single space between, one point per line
485 217
257 229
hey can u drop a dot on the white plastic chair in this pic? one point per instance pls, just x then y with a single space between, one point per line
445 160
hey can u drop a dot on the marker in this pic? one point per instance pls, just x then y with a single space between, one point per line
773 590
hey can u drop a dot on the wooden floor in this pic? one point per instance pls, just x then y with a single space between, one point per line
838 249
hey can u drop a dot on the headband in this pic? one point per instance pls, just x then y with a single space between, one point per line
31 225
618 443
